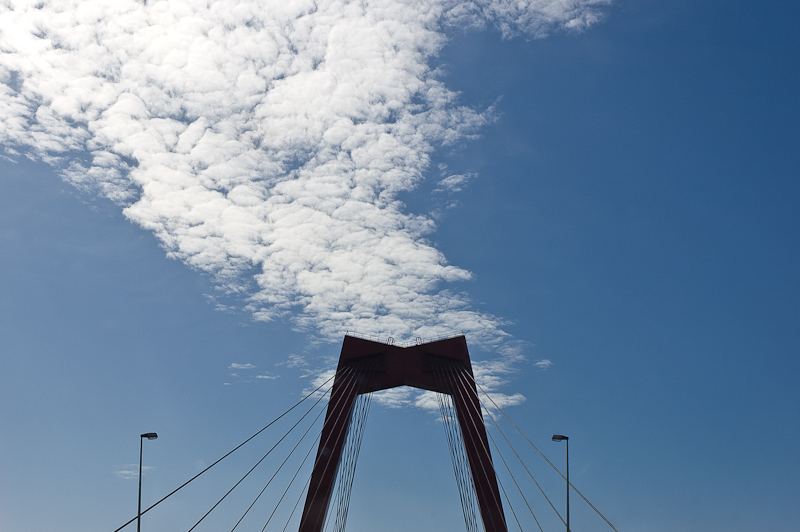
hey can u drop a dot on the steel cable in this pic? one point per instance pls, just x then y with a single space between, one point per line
356 452
543 456
523 465
349 383
457 458
515 482
457 455
281 466
294 508
458 435
258 463
347 481
458 388
352 446
224 456
292 481
338 417
511 507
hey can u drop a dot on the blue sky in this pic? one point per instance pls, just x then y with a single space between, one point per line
628 212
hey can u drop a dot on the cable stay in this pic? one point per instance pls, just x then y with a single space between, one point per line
516 484
523 465
260 460
345 375
297 472
285 460
349 385
537 450
173 492
508 501
360 414
459 461
446 373
347 468
348 406
297 502
457 387
455 440
279 468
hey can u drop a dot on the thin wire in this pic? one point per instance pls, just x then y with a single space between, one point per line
355 459
259 462
316 491
316 461
225 456
348 383
280 467
352 460
308 480
344 483
457 456
515 482
292 481
511 506
344 458
459 433
352 380
523 464
346 463
484 445
446 422
543 456
337 492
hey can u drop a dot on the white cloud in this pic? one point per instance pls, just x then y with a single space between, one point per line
490 374
394 397
502 400
543 364
320 378
265 143
267 376
531 17
293 361
241 366
454 183
427 401
131 471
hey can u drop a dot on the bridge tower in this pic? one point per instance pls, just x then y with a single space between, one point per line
372 366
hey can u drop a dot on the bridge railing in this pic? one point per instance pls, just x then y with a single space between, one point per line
418 340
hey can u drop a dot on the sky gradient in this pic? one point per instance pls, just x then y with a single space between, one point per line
622 204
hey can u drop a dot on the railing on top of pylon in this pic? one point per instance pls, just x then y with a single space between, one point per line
391 341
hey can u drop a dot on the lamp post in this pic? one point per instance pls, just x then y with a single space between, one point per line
559 437
149 436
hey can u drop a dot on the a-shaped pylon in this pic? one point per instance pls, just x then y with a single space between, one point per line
367 366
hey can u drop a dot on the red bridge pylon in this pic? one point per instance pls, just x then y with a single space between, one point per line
367 366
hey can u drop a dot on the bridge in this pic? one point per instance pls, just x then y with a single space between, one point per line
368 365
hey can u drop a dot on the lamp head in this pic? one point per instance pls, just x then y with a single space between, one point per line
559 437
149 435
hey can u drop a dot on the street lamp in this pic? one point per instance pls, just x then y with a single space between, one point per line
559 437
149 436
